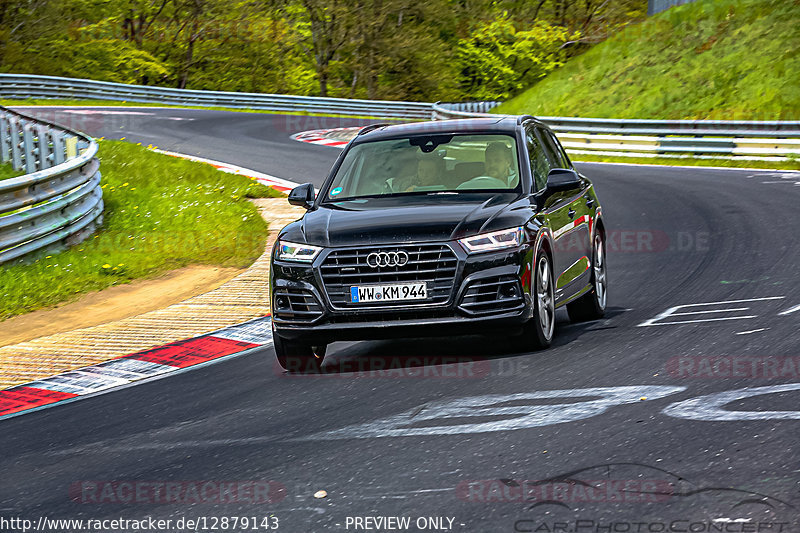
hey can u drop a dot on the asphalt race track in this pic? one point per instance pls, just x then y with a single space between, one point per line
478 444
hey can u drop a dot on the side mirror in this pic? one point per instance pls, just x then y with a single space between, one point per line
302 195
562 179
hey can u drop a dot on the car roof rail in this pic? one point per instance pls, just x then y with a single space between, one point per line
367 129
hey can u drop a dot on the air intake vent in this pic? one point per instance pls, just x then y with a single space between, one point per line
493 295
296 305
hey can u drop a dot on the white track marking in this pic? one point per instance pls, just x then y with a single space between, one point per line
109 112
280 183
701 320
79 382
751 331
522 416
710 408
672 312
789 311
712 311
258 331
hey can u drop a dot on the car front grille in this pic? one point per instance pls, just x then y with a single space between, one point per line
296 305
434 264
492 295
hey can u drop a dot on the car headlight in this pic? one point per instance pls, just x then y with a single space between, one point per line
291 251
497 240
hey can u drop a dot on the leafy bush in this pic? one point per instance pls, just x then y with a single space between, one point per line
498 60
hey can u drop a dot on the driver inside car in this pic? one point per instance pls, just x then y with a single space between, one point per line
498 163
429 175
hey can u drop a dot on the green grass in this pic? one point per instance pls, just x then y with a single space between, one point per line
689 162
712 59
7 171
161 213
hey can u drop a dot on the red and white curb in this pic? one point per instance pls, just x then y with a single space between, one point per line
122 371
326 137
270 181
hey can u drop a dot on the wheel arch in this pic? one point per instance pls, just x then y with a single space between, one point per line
599 227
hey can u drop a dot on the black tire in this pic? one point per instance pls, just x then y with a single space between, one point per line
297 357
592 305
537 333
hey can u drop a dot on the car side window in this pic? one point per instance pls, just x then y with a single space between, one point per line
550 149
540 166
559 151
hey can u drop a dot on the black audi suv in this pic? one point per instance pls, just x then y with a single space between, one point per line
435 228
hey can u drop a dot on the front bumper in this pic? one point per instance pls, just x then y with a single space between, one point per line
487 291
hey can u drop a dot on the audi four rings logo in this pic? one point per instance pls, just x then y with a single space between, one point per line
387 259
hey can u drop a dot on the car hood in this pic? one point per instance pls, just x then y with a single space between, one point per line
384 221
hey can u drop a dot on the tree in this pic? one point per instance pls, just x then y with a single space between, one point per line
498 60
331 25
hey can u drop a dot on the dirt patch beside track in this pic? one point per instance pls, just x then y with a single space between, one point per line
116 303
243 297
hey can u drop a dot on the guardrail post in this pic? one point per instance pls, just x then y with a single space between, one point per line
45 147
5 139
31 150
59 149
16 143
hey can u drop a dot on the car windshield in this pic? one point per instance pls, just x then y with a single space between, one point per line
427 164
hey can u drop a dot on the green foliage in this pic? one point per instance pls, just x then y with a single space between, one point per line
7 171
712 59
110 60
161 213
379 49
498 60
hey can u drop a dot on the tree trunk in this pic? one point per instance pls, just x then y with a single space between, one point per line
323 80
187 60
371 76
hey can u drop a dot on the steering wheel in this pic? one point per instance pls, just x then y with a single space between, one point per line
483 182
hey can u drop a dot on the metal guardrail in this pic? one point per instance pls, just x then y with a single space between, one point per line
59 200
703 139
30 86
769 140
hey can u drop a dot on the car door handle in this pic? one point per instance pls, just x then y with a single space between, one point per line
571 212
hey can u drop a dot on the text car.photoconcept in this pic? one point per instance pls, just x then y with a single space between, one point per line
439 228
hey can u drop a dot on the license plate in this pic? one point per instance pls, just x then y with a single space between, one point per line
388 293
